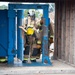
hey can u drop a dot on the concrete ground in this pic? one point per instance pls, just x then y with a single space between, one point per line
38 74
58 68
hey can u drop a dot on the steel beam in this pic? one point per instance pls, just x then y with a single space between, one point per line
11 36
20 39
45 50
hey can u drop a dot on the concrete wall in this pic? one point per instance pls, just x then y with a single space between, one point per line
65 31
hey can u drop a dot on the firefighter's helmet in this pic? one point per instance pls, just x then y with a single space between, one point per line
30 31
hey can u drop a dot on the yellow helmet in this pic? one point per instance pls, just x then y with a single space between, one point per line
30 31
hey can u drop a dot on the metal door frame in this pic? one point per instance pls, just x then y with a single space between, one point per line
12 14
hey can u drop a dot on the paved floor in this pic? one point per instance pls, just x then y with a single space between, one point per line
38 74
58 68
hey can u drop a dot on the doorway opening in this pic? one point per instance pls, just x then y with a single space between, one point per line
32 24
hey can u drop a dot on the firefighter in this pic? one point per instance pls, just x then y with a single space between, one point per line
39 32
29 34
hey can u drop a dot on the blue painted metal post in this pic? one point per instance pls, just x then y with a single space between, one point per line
45 50
20 38
11 38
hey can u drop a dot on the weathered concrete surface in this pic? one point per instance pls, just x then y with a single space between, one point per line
38 74
58 68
